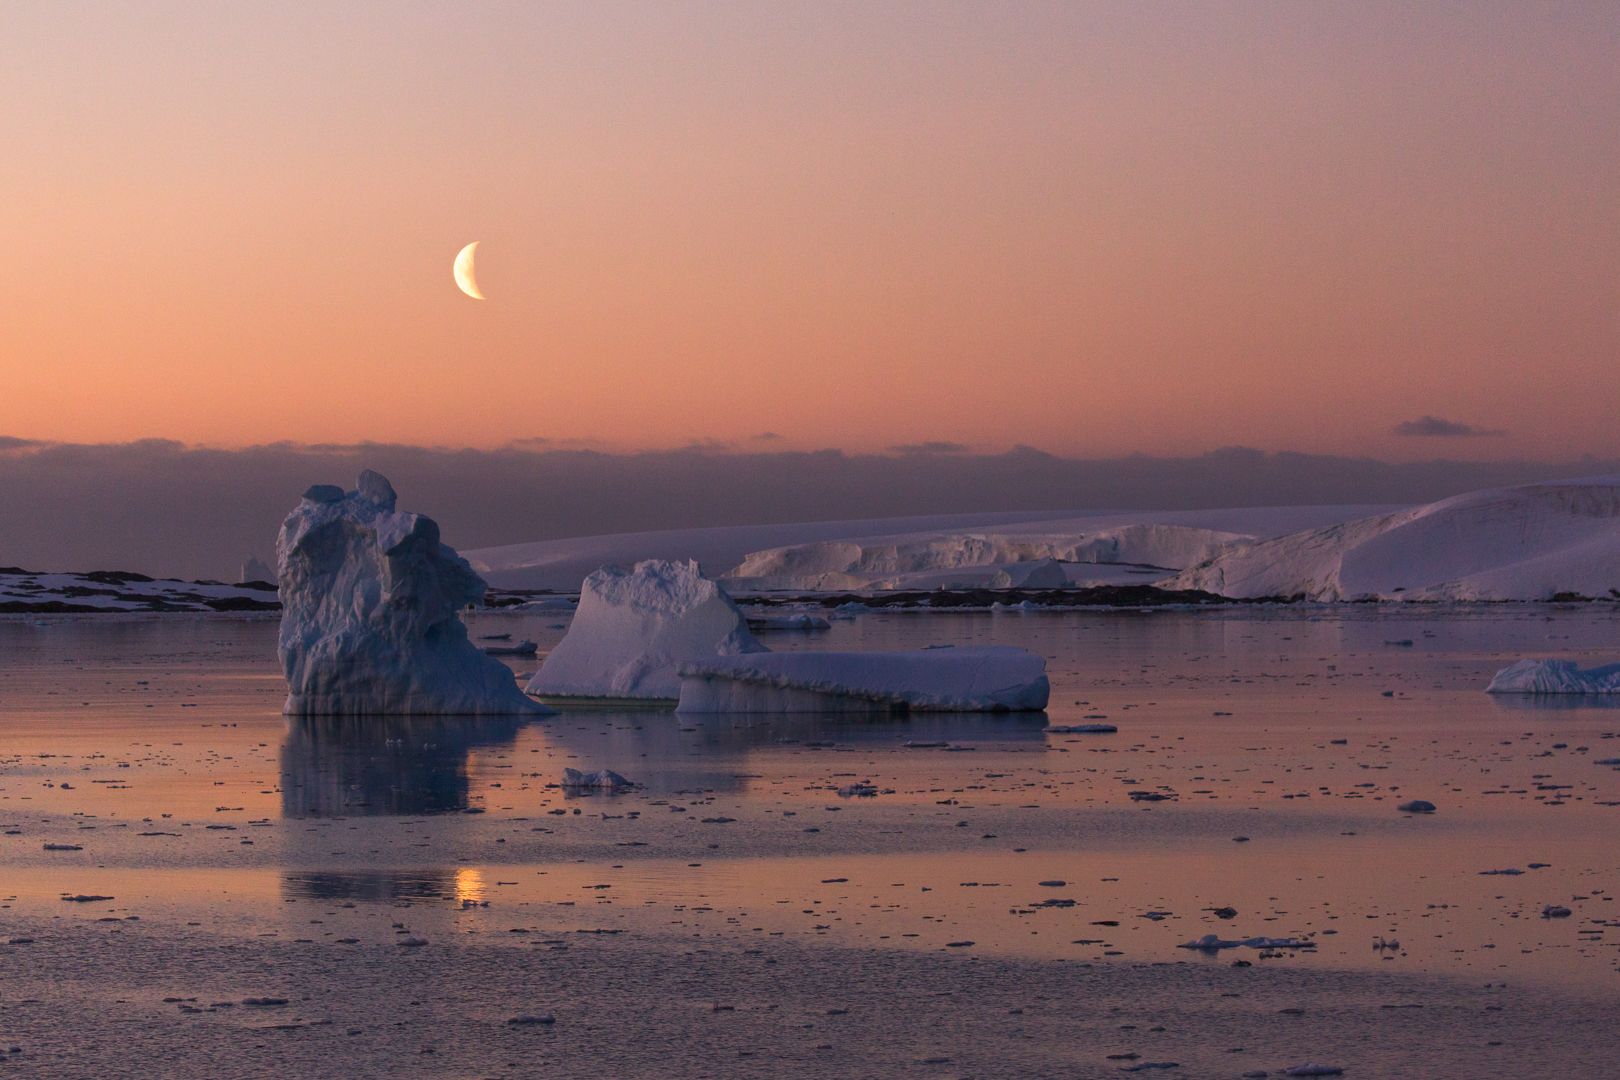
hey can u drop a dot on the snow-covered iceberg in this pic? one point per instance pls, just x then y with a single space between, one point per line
1555 677
634 627
369 621
944 678
1535 542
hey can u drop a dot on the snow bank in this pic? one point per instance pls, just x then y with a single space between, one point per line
369 621
948 679
1524 543
1555 677
633 627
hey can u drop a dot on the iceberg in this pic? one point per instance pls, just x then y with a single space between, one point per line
633 629
254 569
1555 677
369 623
944 679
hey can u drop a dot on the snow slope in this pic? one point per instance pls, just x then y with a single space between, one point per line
1523 543
942 679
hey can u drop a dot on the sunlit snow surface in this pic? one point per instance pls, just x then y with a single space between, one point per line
983 899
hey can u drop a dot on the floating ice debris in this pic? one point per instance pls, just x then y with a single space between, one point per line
411 942
1416 806
1149 796
85 898
1214 942
370 618
1035 574
635 627
521 648
1311 1068
1555 911
794 623
604 780
1081 729
63 847
532 1020
947 679
1507 872
1555 677
1150 1066
858 790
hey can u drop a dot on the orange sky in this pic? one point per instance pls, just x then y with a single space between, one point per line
1094 228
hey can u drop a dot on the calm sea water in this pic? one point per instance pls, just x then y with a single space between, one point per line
171 846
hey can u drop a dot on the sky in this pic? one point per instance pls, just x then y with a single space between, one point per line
1363 228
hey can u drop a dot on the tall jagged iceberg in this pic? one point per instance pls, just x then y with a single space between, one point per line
369 613
634 628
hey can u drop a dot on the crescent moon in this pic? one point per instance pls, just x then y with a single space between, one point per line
463 270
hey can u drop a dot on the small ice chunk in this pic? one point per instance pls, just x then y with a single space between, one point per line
1555 677
1416 806
603 780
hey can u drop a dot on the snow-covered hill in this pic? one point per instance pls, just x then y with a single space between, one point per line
1524 543
23 591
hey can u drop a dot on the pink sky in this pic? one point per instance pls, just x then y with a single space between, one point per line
1094 228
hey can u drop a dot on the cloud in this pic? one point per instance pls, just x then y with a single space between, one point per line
1434 427
167 509
932 447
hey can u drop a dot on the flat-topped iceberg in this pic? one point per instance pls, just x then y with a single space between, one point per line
370 603
1555 677
945 679
633 629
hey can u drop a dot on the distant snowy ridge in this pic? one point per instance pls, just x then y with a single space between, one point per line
1535 542
967 550
974 559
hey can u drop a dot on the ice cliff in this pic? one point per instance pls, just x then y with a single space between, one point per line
369 622
634 627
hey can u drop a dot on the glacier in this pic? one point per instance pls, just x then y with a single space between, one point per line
635 626
370 619
994 678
